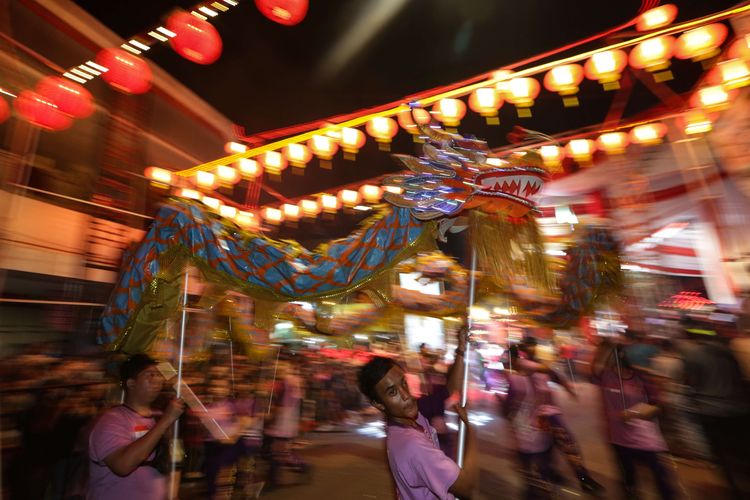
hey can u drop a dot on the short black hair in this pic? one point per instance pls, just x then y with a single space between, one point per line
372 373
135 364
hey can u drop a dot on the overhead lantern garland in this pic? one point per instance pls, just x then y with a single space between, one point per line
450 112
298 155
486 101
195 39
606 68
126 72
71 98
41 111
274 163
701 43
521 92
324 148
285 12
352 139
654 56
565 80
383 129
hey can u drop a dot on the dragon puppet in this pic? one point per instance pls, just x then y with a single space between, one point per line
456 176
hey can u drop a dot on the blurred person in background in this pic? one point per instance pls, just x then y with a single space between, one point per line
631 408
419 467
283 423
124 441
437 388
720 401
549 413
223 454
527 363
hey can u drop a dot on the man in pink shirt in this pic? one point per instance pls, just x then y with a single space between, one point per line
123 442
420 469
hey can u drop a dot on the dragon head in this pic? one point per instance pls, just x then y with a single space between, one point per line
457 173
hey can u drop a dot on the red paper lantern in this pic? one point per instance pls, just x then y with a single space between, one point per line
40 111
4 110
195 39
125 72
286 12
71 98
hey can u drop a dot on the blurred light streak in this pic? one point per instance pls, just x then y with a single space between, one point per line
371 20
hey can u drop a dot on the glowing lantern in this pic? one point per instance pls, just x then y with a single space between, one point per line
408 117
393 189
648 134
249 168
697 122
213 203
228 212
274 162
486 102
291 212
733 74
449 111
657 17
246 220
606 68
329 203
190 194
71 98
503 81
125 72
701 43
565 80
712 98
40 111
613 142
286 12
382 129
159 177
298 154
195 39
324 148
653 55
349 198
551 155
227 175
4 110
205 180
351 140
581 150
521 93
234 147
370 193
310 208
273 215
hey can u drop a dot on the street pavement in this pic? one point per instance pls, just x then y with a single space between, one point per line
352 464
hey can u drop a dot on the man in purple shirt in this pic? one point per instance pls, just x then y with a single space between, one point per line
123 442
420 469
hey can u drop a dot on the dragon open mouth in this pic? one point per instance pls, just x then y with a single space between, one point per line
511 183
